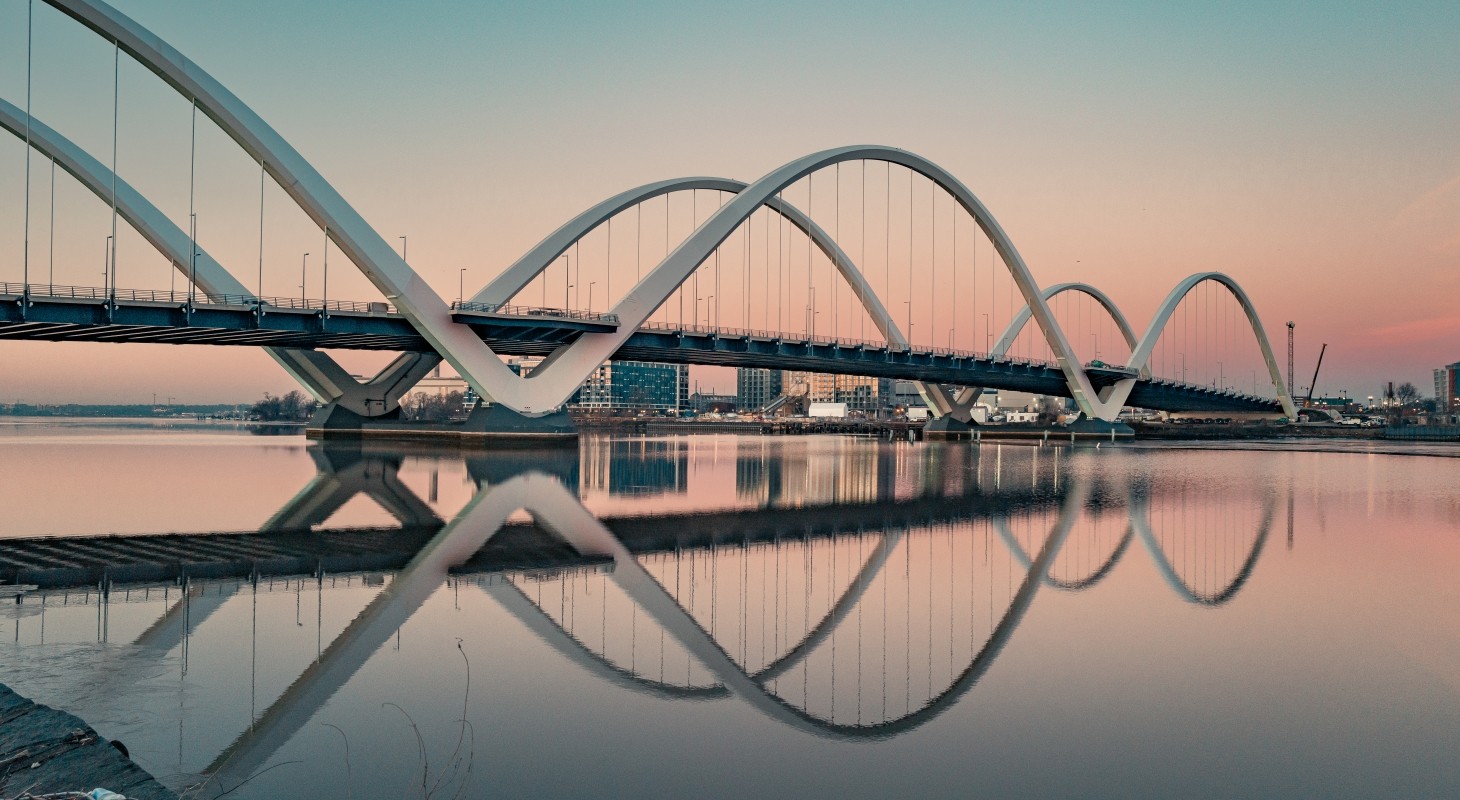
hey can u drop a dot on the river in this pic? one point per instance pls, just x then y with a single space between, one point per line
722 616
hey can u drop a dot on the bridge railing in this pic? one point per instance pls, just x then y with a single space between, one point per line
198 298
534 311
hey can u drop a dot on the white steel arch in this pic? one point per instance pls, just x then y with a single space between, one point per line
370 253
537 260
959 404
1141 355
554 381
321 375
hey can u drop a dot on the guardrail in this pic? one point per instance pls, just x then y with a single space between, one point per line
197 298
534 311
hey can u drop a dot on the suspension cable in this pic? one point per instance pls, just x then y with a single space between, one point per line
608 270
862 250
116 97
263 175
25 253
192 215
810 289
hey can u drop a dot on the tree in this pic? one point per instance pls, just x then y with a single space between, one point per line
423 407
292 407
1405 393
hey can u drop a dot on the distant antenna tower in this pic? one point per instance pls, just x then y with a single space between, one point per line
1290 357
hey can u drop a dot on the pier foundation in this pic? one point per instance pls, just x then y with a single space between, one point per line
494 425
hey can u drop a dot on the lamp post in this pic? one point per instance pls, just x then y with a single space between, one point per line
106 265
303 272
708 303
988 336
590 295
402 248
1095 342
1182 356
461 286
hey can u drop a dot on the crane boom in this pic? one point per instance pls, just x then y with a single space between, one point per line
1308 401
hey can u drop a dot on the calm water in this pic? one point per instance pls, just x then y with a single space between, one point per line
735 617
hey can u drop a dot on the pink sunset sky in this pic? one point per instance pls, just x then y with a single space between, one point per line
1310 152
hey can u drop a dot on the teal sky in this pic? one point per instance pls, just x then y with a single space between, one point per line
1309 150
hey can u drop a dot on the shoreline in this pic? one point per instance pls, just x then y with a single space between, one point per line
44 751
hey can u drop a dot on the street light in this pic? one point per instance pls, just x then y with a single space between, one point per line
988 335
460 287
590 295
303 271
106 265
402 248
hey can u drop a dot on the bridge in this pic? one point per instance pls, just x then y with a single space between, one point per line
748 603
752 280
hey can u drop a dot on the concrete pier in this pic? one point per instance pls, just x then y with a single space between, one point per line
947 429
485 425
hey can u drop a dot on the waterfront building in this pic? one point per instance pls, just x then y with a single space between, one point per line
705 402
858 392
632 386
904 395
757 388
1447 392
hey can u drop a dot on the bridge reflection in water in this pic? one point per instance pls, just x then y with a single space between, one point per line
852 600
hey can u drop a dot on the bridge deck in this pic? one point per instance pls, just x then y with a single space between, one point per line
362 326
56 563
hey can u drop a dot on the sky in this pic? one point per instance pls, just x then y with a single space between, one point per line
1306 149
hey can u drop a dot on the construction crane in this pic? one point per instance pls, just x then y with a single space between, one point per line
1308 401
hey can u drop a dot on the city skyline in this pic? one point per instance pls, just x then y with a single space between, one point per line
1301 152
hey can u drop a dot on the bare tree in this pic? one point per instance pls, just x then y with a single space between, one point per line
423 407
